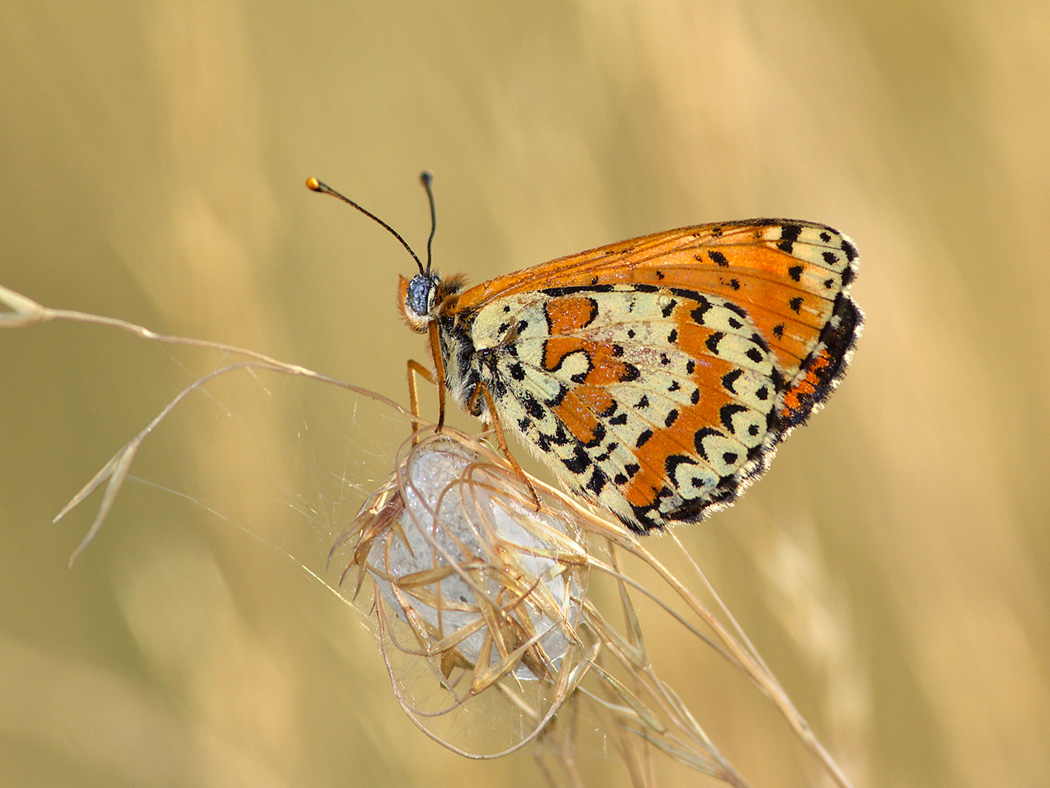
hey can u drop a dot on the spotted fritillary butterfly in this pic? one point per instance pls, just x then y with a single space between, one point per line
655 376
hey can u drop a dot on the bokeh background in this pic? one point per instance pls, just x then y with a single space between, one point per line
892 567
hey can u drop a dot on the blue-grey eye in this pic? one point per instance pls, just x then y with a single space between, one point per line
418 296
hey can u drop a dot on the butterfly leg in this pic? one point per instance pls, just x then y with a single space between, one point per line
439 370
414 369
481 390
438 379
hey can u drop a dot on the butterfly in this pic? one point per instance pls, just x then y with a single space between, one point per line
655 376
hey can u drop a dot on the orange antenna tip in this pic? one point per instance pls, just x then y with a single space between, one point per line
323 188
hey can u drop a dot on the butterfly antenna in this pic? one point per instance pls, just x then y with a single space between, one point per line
426 179
319 186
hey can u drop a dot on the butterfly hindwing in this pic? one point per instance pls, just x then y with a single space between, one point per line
651 401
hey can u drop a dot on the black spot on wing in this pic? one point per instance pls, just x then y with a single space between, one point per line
727 412
729 380
560 394
596 482
561 292
532 407
597 436
699 314
698 439
789 233
578 463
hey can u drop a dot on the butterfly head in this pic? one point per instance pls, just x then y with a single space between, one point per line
417 298
420 297
425 297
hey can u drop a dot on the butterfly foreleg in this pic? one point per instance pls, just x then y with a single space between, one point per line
439 370
437 378
481 390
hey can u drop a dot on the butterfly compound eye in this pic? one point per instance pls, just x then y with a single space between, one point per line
419 295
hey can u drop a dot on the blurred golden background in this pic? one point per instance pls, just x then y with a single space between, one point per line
892 567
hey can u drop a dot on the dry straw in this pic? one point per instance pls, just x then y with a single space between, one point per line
480 584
